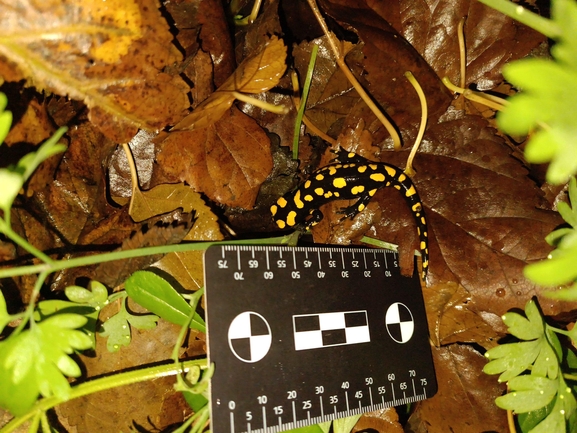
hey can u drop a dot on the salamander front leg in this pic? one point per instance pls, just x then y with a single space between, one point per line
313 219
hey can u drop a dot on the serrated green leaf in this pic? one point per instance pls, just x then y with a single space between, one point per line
565 16
527 393
117 327
97 296
158 296
556 271
5 124
117 330
527 421
147 321
523 328
345 425
36 360
511 359
11 184
27 390
555 236
4 316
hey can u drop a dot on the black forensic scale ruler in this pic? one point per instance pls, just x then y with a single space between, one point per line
303 335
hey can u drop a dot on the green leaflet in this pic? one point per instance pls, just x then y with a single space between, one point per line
36 361
117 327
157 295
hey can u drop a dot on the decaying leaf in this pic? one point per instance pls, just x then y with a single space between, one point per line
465 399
258 73
227 160
109 55
479 204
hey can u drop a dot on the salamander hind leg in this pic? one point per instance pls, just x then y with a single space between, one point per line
354 209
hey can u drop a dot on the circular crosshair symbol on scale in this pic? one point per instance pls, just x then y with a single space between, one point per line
249 337
399 322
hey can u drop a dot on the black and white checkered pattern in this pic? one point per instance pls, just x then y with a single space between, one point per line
313 331
399 322
249 337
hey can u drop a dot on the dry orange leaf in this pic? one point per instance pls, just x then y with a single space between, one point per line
108 54
257 73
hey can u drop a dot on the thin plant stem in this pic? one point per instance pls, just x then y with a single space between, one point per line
308 123
139 252
104 383
277 109
462 52
491 101
303 100
17 239
409 170
352 79
29 313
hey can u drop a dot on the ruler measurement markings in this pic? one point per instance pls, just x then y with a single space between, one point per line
305 417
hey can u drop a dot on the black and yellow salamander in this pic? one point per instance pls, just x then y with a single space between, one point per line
347 177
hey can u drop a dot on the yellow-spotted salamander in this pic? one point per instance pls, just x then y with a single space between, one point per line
347 177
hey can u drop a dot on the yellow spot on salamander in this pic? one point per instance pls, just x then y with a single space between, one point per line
351 155
423 221
357 189
319 177
417 207
281 202
290 219
336 194
373 166
328 194
392 172
339 182
362 168
423 245
402 177
333 170
308 197
378 177
361 207
297 199
319 191
281 224
411 191
372 192
273 209
397 187
307 184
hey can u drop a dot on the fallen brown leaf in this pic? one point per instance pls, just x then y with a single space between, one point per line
227 161
258 73
109 56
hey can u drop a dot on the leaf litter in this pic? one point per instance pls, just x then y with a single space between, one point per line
487 218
